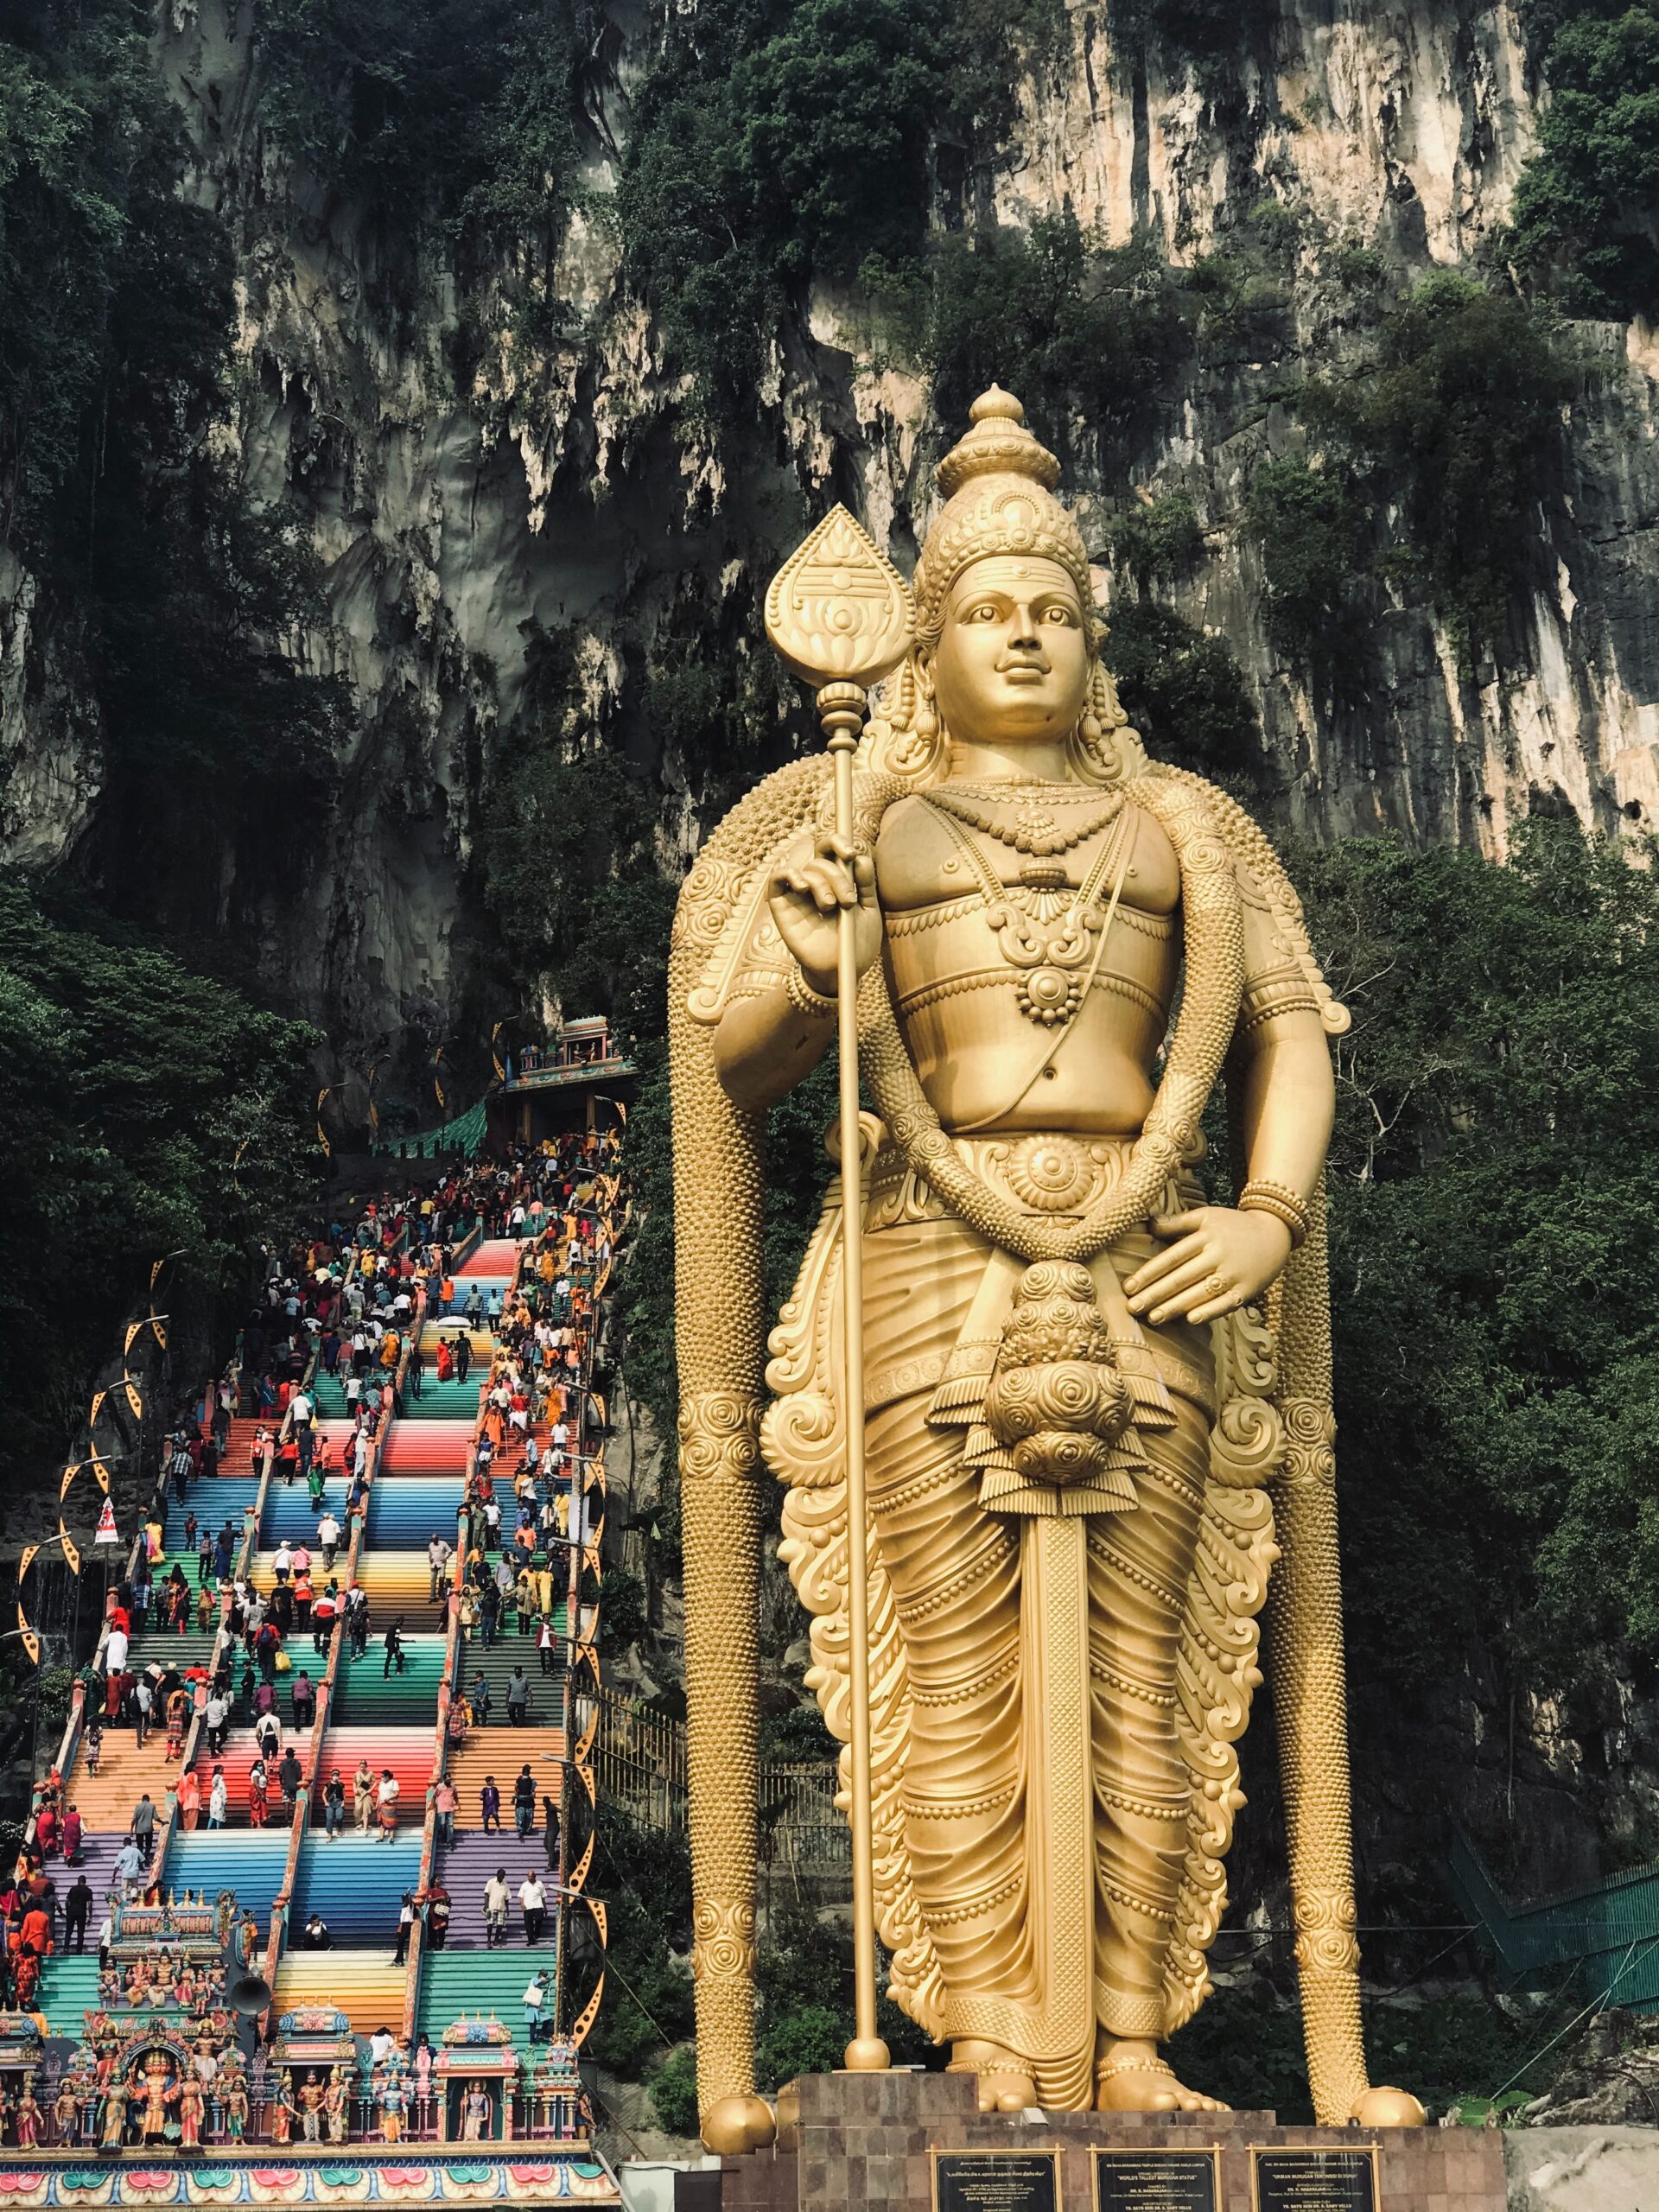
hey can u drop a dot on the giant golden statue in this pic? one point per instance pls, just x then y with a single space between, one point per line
1082 1381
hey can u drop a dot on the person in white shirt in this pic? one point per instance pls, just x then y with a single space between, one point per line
298 1407
115 1651
282 1562
385 1798
382 2043
532 1901
328 1538
497 1898
437 1558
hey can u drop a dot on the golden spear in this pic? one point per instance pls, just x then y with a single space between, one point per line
838 615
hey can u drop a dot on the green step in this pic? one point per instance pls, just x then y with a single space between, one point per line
508 1651
454 1982
68 1992
363 1696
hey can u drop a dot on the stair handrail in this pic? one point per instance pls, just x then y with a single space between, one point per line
360 1517
446 1699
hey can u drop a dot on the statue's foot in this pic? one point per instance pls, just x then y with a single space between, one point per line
1131 2077
1002 2083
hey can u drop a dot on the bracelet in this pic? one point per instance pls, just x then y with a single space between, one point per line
804 999
1285 1205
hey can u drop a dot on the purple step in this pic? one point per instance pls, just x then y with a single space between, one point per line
98 1856
469 1863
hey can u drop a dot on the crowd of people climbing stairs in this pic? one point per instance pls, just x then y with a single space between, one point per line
225 1636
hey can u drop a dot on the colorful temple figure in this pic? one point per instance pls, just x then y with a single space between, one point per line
336 2105
283 2114
393 2098
114 2131
191 2108
65 2109
475 2114
157 2091
312 2097
28 2116
233 2103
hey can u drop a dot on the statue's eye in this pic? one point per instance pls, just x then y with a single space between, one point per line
985 612
1059 615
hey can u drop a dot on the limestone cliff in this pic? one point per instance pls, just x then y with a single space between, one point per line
467 500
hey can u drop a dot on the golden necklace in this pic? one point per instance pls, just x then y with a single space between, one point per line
1034 829
1044 932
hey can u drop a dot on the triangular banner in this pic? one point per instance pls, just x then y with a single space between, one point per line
107 1531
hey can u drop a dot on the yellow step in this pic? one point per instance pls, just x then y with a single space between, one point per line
364 1985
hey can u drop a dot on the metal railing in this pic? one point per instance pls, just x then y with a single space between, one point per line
639 1766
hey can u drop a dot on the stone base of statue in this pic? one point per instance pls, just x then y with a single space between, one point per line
915 2142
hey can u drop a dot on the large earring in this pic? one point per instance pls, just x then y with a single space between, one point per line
1095 747
924 718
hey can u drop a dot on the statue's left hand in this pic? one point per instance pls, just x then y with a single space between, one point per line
1220 1260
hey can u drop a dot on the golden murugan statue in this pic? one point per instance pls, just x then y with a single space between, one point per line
1080 1377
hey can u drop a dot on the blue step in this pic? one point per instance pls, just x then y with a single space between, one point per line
225 1499
404 1510
355 1883
249 1861
290 1516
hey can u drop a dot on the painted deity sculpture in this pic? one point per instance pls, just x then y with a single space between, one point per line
1082 1376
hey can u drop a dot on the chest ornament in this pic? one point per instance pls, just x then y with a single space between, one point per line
1045 932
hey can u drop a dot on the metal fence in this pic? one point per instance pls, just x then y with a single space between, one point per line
639 1766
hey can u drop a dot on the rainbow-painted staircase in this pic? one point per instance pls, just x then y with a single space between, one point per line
372 1712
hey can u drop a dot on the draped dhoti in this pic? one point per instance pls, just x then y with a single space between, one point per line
981 1766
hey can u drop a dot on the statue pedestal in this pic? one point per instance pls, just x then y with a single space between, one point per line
869 2140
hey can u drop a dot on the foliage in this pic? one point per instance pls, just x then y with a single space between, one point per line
1462 415
1495 1228
1206 29
674 2092
623 1619
1185 693
775 142
1447 437
1048 313
1310 525
1585 204
772 138
645 1880
143 1110
803 1972
466 109
1158 539
797 1735
1245 2046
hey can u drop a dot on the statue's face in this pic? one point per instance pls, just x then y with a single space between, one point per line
1011 666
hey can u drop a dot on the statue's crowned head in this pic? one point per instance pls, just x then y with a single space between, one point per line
1006 640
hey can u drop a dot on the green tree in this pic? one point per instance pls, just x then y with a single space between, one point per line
1584 207
146 1111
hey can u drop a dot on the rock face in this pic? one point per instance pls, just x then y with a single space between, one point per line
561 494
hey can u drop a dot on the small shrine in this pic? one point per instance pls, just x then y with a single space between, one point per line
477 2071
311 2077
